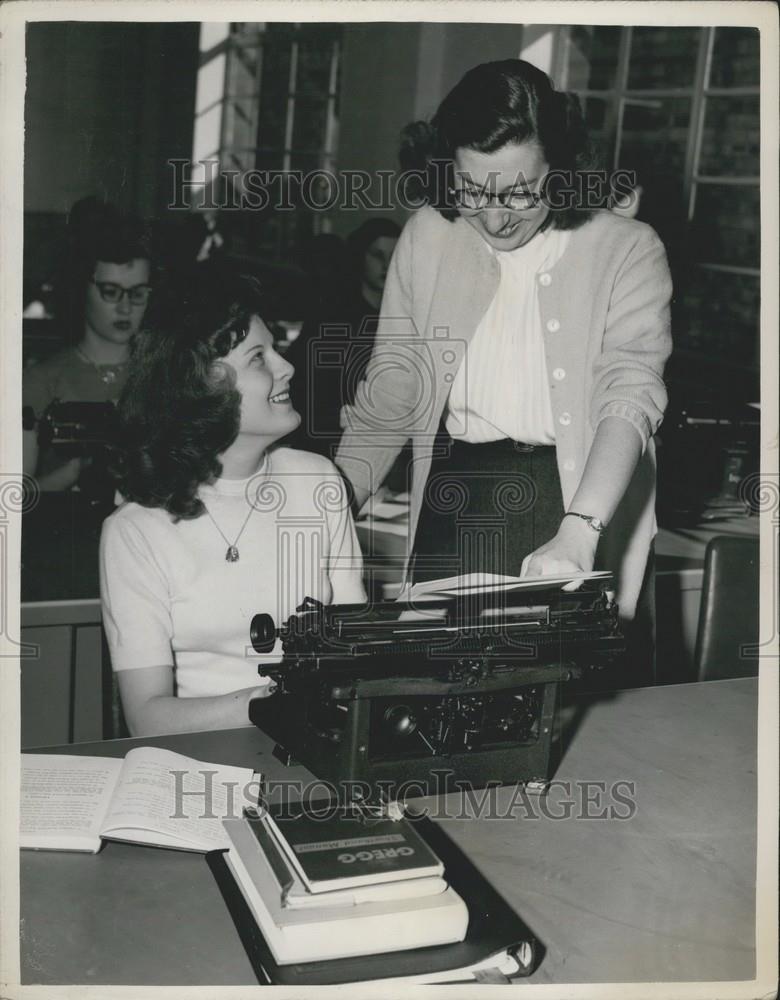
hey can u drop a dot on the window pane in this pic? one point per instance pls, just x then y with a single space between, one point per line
592 56
242 72
731 140
309 125
596 109
726 225
735 58
304 161
600 128
719 316
273 92
269 159
314 55
662 58
655 134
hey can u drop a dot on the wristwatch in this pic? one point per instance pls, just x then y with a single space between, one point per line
595 522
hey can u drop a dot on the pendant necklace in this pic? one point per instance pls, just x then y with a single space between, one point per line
108 373
231 555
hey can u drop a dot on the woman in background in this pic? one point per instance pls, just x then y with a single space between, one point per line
332 351
521 347
109 284
219 521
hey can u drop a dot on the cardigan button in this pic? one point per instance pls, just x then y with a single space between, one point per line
565 419
559 374
553 325
569 465
545 279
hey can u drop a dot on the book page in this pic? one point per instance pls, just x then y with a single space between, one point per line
64 799
168 799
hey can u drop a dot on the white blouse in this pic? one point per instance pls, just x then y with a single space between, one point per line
501 388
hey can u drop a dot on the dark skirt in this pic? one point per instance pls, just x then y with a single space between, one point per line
485 508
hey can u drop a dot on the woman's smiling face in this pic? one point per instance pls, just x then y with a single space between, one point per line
511 169
263 378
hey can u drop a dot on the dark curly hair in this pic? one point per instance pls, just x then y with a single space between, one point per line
178 412
497 104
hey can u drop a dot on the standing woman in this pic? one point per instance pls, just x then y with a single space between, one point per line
521 348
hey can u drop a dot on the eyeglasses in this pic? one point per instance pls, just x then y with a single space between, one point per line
138 295
475 200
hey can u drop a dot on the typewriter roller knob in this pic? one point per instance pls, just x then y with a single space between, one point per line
262 633
400 721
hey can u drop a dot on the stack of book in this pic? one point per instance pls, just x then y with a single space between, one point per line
352 898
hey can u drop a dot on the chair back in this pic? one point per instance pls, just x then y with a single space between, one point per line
68 690
727 636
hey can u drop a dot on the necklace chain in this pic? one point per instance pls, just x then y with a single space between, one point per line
232 548
108 373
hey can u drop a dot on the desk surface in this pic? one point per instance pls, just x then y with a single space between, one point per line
667 894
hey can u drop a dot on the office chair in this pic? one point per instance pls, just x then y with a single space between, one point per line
728 616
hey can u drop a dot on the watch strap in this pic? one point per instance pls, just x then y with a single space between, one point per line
594 522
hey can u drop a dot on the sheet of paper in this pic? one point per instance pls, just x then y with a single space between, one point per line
473 583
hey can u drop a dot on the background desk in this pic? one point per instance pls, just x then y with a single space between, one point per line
666 895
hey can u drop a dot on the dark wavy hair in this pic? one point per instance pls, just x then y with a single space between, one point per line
498 104
178 411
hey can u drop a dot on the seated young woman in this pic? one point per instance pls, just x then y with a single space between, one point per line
218 522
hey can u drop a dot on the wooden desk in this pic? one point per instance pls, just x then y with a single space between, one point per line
668 894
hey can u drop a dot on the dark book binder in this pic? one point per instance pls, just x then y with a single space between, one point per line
493 928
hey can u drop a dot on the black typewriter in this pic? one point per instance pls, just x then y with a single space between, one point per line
459 688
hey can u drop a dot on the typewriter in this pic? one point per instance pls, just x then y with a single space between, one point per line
449 691
74 427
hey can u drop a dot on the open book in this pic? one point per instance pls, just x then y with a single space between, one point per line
153 796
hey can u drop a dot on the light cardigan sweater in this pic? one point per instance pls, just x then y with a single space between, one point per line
605 312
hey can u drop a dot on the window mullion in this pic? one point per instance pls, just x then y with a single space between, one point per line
330 118
621 86
696 128
291 94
